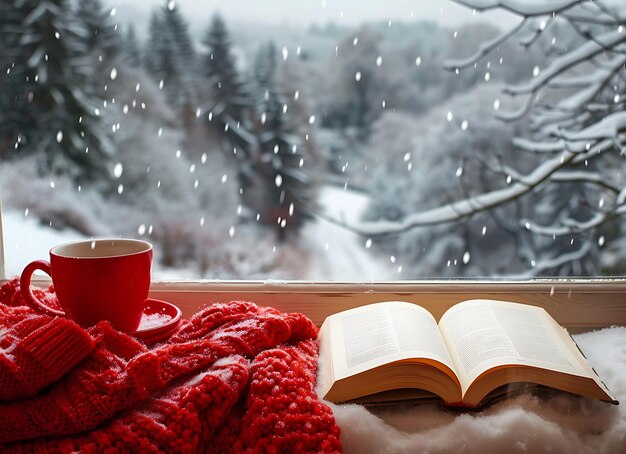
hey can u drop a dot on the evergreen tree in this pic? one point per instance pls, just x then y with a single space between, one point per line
288 189
155 52
49 86
357 90
264 70
15 117
229 97
275 169
102 39
178 30
131 47
170 55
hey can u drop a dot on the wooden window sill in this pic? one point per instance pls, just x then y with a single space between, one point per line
577 304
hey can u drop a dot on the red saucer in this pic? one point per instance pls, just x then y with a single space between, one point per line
159 320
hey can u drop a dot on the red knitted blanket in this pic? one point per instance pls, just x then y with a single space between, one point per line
234 378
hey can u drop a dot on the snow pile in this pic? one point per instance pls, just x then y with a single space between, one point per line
561 424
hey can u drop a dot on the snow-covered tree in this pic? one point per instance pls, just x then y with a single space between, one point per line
58 111
426 163
275 185
102 38
264 72
155 48
131 47
356 90
15 116
228 107
170 55
103 46
229 96
573 187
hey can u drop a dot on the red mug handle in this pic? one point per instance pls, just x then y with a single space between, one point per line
30 297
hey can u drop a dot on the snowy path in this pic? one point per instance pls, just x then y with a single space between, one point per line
341 255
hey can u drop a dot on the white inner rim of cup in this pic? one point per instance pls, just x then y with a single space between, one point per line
101 248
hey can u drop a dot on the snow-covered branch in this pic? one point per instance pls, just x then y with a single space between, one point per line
582 54
539 147
608 127
581 176
539 28
528 8
519 113
547 264
466 207
570 226
484 49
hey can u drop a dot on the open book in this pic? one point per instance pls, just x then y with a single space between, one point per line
395 350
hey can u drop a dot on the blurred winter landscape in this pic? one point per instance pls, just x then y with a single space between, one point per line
386 144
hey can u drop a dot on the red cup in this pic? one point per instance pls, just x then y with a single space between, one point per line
95 280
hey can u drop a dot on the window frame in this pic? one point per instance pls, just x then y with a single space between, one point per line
2 269
577 304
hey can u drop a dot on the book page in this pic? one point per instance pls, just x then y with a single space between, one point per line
377 334
482 334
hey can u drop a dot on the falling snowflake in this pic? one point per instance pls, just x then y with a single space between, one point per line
118 170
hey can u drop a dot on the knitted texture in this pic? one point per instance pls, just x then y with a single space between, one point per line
234 378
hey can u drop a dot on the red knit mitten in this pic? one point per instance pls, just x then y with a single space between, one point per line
37 351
